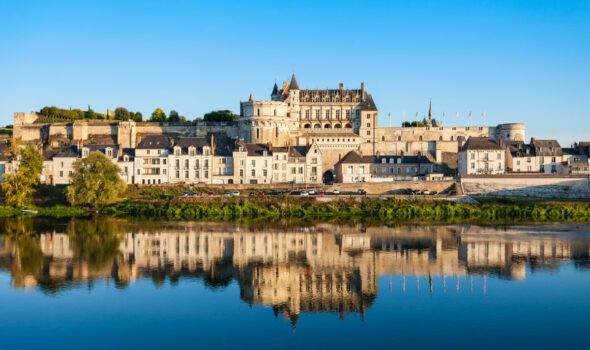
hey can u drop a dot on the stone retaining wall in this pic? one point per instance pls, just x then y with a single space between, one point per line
548 186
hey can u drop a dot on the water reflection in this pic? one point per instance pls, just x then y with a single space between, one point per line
292 269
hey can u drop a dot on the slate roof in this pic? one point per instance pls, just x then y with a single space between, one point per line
480 144
404 159
353 157
68 152
155 142
4 149
546 147
102 148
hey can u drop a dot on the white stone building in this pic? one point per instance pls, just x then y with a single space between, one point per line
481 155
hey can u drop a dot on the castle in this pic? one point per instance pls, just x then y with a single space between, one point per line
338 121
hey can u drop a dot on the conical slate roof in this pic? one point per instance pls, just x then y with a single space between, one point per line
293 85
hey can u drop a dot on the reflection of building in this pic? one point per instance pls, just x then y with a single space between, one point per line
294 270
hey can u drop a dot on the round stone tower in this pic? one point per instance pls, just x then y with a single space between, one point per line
511 132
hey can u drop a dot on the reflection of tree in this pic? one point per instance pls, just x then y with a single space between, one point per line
23 245
94 242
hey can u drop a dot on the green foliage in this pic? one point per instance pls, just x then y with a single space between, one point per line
220 116
54 114
137 116
19 188
121 113
175 118
412 124
158 116
95 181
348 209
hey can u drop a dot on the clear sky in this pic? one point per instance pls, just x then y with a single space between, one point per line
517 61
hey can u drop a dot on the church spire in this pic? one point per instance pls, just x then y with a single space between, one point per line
293 85
430 110
251 98
275 90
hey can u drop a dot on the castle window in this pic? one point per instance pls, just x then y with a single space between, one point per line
274 112
337 114
382 138
307 113
327 114
368 125
317 114
348 114
257 133
258 111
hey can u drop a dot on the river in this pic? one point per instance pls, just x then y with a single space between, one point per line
101 283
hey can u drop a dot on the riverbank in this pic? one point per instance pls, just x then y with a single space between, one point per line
339 210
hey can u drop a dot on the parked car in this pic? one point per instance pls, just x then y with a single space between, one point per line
311 192
336 192
321 193
304 193
362 192
212 194
235 193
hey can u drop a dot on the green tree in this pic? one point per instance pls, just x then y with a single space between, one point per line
89 114
158 116
19 188
95 181
220 116
121 113
138 117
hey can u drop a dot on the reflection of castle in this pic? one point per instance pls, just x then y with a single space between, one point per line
324 268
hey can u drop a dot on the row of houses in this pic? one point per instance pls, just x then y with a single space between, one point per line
483 156
160 159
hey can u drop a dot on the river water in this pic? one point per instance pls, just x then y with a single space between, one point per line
111 284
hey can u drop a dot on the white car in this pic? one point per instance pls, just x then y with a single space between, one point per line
311 192
235 193
304 194
336 192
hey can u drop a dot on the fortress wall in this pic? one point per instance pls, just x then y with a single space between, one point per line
435 133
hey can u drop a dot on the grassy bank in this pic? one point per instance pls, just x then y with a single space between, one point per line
163 203
349 209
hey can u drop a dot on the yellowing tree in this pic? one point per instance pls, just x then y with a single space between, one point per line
20 187
95 181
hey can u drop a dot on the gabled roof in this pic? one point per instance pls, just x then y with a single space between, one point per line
255 149
155 142
546 147
102 148
275 90
480 144
353 157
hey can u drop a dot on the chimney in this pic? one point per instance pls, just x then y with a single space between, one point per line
341 88
362 89
501 141
212 144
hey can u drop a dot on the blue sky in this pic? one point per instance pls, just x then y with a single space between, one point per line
525 61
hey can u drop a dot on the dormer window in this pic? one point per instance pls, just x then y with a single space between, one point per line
391 160
191 151
126 158
384 160
176 151
109 152
85 152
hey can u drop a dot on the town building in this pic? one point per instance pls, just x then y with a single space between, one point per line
539 156
481 155
354 168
